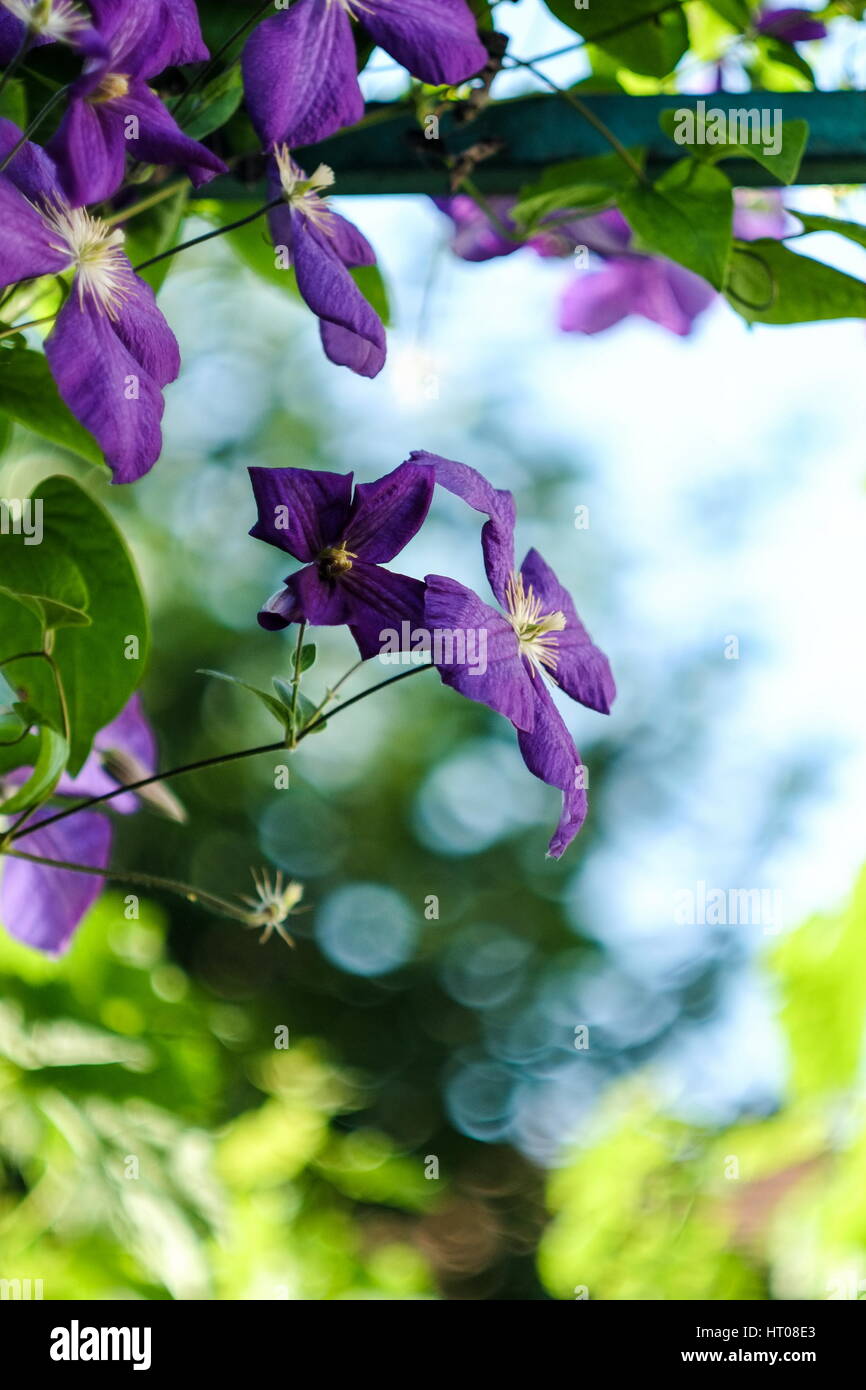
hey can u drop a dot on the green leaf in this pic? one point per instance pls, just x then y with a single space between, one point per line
98 664
13 103
777 59
274 707
305 709
215 104
308 656
577 185
647 36
28 394
47 583
767 283
687 215
50 764
736 12
687 129
813 222
371 283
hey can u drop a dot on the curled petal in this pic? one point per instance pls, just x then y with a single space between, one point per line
42 906
300 511
386 514
110 374
300 75
437 42
307 598
582 670
549 752
497 534
160 139
476 652
352 332
31 170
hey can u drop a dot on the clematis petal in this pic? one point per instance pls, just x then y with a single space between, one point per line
90 151
351 246
160 139
549 752
476 238
307 598
497 534
31 170
327 287
108 388
380 600
300 75
26 247
592 303
133 37
144 331
300 511
129 734
42 906
386 514
791 25
438 43
582 670
181 38
489 669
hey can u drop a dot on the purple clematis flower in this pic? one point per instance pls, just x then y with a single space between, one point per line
343 542
41 906
112 112
322 247
790 25
301 68
111 351
537 638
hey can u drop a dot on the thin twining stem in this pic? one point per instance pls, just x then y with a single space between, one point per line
205 71
585 111
209 236
296 679
168 885
315 723
33 126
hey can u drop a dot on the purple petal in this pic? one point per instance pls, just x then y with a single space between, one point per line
475 237
388 513
90 151
497 534
300 75
380 600
582 670
307 598
12 32
497 677
31 171
160 139
300 511
133 36
128 734
110 375
352 332
351 246
759 215
42 906
438 43
649 286
791 25
26 247
549 752
181 40
591 303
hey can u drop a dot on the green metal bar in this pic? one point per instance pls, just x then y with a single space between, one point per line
390 156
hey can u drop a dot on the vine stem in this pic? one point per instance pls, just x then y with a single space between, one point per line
26 44
209 236
586 112
209 67
296 680
221 758
34 125
142 880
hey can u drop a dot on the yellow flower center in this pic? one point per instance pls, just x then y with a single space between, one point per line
334 560
536 631
113 86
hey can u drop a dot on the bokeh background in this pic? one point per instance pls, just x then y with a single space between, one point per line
552 1089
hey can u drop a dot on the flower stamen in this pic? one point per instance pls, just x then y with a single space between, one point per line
55 19
273 905
536 631
304 194
96 254
334 560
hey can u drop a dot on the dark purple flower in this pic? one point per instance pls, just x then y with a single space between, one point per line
42 906
343 542
790 25
322 247
111 351
537 638
300 67
112 112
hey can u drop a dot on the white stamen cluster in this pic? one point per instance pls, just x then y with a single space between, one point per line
273 905
536 631
304 195
53 19
95 254
352 7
